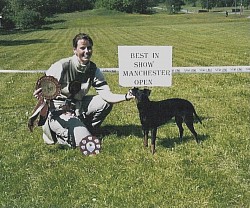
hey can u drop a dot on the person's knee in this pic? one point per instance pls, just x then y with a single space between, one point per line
80 133
100 105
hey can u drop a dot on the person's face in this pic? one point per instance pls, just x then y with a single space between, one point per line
83 51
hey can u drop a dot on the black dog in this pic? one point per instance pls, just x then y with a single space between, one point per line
156 113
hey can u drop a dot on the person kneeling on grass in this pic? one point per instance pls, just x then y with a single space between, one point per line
69 126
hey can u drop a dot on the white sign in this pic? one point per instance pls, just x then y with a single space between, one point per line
145 66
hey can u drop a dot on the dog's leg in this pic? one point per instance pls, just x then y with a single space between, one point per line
153 138
179 122
145 132
190 125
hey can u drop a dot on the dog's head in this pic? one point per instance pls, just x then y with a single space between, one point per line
141 95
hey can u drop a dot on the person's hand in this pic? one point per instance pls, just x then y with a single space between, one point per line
129 95
37 93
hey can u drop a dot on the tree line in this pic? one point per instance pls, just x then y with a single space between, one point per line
32 13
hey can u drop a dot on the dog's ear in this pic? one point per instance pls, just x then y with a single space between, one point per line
147 92
134 90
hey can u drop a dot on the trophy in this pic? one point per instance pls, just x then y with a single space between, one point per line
50 89
90 145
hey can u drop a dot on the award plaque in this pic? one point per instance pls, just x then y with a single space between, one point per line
90 145
50 87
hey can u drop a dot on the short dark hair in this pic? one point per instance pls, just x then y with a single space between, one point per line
81 36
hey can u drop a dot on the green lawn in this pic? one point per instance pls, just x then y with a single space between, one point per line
214 174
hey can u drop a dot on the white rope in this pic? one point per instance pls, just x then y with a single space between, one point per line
188 70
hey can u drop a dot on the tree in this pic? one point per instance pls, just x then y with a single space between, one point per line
129 6
192 2
3 3
246 3
174 6
28 18
32 13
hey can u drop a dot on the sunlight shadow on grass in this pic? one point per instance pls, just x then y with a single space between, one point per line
54 21
124 130
20 42
171 142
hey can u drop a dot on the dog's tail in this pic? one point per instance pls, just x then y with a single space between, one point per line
198 118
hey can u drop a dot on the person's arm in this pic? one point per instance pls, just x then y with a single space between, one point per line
55 70
104 91
110 97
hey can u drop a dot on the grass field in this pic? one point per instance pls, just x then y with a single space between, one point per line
214 174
